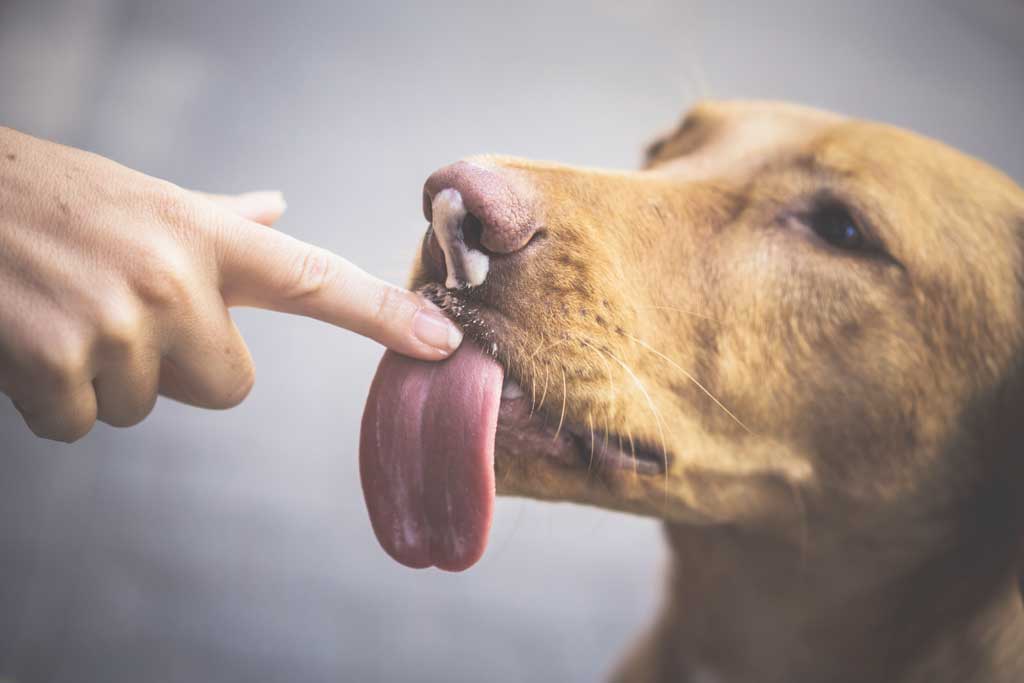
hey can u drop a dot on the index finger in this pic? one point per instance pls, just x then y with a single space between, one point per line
268 269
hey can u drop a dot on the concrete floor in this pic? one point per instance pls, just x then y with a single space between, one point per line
235 546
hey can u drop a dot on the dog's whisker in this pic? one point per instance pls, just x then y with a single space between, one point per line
544 389
657 420
590 463
534 403
632 450
693 379
681 310
533 376
607 431
505 476
700 81
533 387
541 347
561 417
650 404
610 405
608 372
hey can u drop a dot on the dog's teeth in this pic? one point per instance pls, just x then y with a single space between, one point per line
510 390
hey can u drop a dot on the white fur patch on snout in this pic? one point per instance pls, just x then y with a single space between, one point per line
466 267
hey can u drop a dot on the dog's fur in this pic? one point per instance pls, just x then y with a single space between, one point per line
839 428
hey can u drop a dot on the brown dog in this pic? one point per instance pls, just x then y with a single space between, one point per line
795 337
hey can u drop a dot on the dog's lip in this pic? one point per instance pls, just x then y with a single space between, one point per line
526 431
612 451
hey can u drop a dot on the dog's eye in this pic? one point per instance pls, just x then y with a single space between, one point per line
835 225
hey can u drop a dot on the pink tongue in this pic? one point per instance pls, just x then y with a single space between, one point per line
426 457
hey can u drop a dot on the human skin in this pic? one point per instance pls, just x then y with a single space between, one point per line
115 288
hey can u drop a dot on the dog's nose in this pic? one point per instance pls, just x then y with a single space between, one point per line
476 214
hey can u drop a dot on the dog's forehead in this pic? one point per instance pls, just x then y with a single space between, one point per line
736 137
778 118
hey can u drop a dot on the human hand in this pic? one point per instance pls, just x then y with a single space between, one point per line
115 287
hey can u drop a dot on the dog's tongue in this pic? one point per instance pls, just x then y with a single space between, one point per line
426 456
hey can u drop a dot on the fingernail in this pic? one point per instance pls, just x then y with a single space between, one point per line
261 202
434 329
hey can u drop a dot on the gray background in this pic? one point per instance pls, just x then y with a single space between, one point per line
235 546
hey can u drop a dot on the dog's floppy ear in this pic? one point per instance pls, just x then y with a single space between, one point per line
654 149
692 131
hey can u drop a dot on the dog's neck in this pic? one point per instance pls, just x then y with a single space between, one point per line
747 606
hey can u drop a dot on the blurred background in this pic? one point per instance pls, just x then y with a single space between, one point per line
235 546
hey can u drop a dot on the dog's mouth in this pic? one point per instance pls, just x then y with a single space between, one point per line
430 434
525 432
525 427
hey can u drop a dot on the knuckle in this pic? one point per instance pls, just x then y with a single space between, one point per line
59 362
170 203
163 279
312 273
120 327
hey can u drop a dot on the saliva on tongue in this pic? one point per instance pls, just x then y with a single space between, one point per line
426 456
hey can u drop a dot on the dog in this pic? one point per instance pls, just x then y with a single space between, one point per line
795 337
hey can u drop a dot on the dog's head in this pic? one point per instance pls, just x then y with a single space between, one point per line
784 311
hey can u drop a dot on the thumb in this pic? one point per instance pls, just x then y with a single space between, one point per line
260 207
271 270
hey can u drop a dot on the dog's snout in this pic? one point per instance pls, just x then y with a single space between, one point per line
476 214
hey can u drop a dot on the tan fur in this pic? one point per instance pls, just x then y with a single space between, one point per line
845 507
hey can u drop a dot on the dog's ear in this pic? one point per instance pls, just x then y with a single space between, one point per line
654 149
691 132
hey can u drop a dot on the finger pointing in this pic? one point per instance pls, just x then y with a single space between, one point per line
268 269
